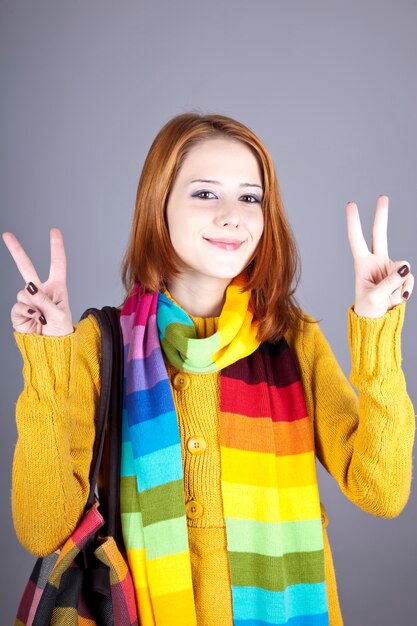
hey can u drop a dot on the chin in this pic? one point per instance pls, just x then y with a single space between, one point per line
225 274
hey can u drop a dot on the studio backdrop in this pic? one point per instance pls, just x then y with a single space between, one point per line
330 88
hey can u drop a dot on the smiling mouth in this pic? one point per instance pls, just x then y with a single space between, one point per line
225 244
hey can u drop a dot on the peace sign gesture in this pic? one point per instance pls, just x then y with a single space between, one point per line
41 308
380 284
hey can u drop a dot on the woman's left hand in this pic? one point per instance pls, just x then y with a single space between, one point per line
380 284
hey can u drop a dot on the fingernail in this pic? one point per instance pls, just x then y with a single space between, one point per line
42 320
405 295
403 271
31 311
32 289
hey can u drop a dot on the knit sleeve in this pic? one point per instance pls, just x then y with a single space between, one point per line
55 415
363 439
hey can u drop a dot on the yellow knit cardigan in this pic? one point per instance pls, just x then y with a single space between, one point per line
365 442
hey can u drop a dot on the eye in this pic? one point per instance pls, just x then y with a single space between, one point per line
253 200
198 195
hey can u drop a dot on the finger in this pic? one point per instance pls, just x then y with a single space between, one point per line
408 287
58 269
26 312
21 316
395 280
23 262
43 303
380 227
23 296
355 234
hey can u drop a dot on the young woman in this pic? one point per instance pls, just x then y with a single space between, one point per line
230 393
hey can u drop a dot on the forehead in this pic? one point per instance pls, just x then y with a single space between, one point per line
221 155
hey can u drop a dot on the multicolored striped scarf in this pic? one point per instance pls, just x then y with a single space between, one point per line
268 476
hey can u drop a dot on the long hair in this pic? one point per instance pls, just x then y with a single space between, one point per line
150 258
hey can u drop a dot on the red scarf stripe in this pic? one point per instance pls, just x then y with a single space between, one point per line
280 404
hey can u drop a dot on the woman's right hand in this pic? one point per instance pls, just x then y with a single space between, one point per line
51 298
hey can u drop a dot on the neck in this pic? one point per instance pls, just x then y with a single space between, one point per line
199 299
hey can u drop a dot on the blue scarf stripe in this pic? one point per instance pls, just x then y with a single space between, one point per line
278 607
165 311
125 426
166 467
163 426
150 403
304 620
127 467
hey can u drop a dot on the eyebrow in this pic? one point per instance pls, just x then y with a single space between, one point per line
217 182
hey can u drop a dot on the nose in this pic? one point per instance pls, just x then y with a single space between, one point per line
228 215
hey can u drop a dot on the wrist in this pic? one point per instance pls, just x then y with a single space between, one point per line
363 310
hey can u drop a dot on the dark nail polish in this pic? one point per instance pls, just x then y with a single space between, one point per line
42 320
405 295
31 311
403 271
32 288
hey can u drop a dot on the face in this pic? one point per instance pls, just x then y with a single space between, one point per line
214 213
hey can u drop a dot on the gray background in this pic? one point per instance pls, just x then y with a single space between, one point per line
329 86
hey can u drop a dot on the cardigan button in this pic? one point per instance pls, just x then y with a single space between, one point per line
194 509
181 381
196 445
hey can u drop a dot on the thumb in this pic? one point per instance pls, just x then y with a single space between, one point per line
394 280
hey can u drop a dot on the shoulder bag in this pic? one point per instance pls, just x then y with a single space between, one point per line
88 581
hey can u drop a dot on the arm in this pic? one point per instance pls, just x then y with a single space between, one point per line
55 422
365 441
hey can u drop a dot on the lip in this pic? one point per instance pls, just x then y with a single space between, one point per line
225 244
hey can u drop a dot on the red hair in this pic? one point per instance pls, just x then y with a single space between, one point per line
150 258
